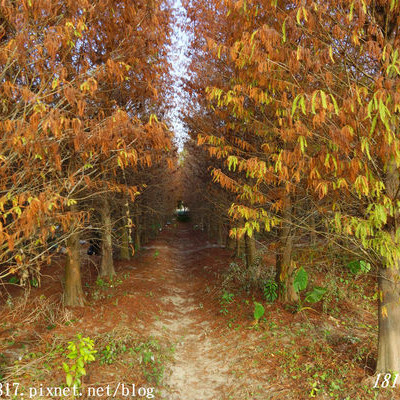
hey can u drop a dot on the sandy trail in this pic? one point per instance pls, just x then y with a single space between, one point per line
200 367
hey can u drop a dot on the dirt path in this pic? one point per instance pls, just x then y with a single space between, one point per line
200 368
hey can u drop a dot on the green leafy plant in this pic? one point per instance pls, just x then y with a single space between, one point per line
259 311
109 354
108 283
34 282
14 279
300 283
151 360
225 300
300 280
100 282
81 352
357 267
315 295
270 290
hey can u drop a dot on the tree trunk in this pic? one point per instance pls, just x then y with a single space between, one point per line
230 242
389 320
250 249
239 247
137 233
125 252
220 233
144 230
150 227
125 238
208 226
73 293
107 262
284 265
389 293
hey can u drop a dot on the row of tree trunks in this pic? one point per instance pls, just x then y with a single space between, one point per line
73 292
245 247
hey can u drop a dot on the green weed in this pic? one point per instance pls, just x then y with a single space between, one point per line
151 361
270 290
226 299
259 311
81 352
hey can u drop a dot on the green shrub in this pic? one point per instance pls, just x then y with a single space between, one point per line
270 290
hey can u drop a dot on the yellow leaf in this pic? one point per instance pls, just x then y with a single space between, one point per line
351 11
284 31
331 54
305 14
298 16
298 53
